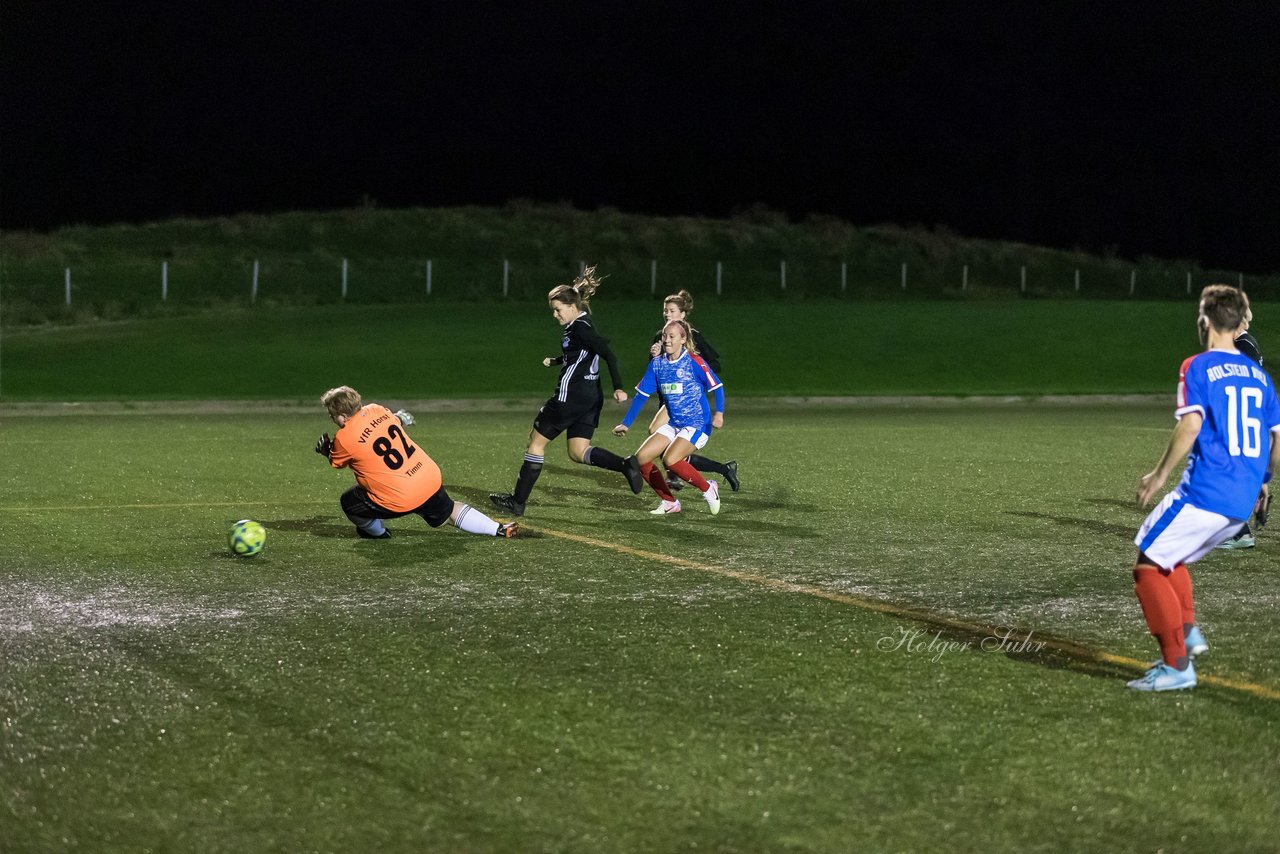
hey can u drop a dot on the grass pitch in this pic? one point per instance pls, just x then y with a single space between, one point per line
820 667
495 350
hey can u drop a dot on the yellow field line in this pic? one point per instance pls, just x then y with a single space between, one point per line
1066 647
1070 648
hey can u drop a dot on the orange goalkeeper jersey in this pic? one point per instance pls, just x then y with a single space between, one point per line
396 473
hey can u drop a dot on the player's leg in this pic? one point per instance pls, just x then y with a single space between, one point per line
649 452
1180 578
365 514
1162 611
676 460
440 508
660 419
545 429
729 469
582 451
688 440
1174 533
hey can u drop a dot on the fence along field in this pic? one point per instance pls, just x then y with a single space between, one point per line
372 256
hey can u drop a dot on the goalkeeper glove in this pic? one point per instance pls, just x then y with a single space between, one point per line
324 445
1262 509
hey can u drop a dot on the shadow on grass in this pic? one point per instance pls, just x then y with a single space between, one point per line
1131 506
772 499
412 541
1093 526
628 512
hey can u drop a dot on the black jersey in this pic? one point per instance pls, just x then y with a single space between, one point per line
705 350
582 349
1248 345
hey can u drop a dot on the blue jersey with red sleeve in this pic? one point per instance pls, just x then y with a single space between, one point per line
684 384
1237 400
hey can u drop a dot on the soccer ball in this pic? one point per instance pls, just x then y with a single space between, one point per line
247 538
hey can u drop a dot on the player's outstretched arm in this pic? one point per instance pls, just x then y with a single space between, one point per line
1180 443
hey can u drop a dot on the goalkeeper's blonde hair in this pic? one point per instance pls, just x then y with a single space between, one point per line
343 400
579 293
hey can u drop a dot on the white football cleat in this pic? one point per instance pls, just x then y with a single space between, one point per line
713 497
666 507
1162 677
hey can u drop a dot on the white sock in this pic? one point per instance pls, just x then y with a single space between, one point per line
473 521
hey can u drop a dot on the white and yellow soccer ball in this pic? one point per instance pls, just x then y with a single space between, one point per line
247 538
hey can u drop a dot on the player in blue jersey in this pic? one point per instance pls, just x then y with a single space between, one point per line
1227 412
678 306
684 379
1248 345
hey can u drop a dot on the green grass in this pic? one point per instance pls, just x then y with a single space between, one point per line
445 692
453 350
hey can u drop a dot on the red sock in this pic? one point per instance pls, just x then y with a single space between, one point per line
1163 612
688 474
657 480
1180 578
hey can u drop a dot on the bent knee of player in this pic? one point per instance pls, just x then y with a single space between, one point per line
577 449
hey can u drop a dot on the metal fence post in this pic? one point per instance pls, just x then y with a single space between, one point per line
344 278
253 294
164 281
428 277
782 273
719 271
506 275
904 275
653 276
67 280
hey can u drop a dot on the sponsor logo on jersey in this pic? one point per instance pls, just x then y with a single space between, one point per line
671 388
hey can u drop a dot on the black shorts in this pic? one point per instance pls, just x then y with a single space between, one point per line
436 510
579 421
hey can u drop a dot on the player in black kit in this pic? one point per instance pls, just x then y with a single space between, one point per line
575 406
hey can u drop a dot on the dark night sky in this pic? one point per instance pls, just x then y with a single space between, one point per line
1149 128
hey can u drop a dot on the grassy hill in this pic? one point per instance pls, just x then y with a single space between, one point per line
474 253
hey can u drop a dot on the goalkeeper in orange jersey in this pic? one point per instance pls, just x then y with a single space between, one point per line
394 476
